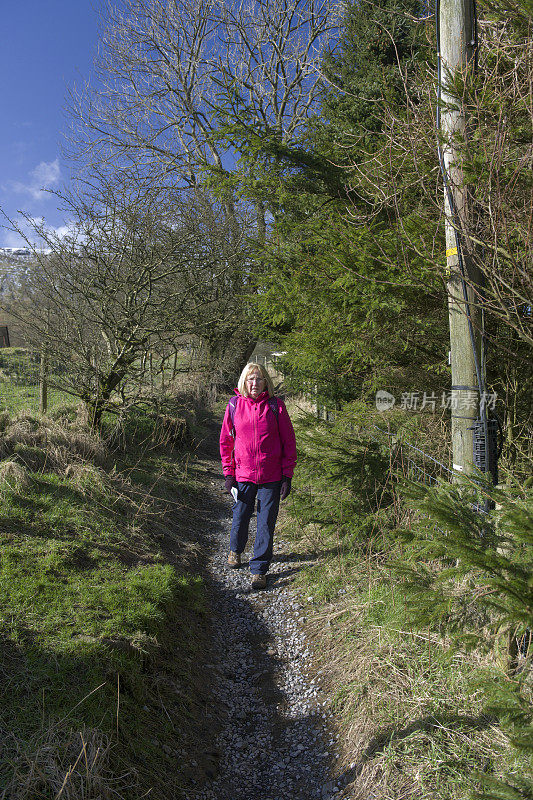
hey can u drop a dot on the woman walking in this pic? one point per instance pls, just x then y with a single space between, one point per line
258 451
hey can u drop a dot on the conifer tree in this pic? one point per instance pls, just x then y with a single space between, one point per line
359 301
469 576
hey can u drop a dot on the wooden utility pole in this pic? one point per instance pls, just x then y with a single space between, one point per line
456 22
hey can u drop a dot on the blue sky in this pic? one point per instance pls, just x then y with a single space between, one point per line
47 45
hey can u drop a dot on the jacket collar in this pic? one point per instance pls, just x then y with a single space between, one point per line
263 396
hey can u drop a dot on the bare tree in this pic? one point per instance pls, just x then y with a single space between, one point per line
117 287
218 286
270 65
173 77
155 85
167 68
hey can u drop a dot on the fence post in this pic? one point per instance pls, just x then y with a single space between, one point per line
175 365
43 382
164 359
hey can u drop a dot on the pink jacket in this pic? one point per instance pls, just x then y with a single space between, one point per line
264 447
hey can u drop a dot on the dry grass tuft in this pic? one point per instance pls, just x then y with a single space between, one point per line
67 766
85 477
74 413
88 446
44 444
382 704
13 476
5 419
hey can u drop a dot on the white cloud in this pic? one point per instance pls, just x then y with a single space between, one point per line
47 172
12 238
20 238
45 175
63 230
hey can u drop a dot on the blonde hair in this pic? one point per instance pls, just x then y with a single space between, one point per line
252 367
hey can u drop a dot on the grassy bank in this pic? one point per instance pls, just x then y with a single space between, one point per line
411 708
102 607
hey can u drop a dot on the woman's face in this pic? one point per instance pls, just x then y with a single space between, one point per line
255 384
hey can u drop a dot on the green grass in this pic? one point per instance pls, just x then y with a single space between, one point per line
17 397
404 701
19 382
410 716
102 616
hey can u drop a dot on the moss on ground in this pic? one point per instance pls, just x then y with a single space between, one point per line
102 611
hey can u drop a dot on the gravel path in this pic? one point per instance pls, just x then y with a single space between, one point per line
274 741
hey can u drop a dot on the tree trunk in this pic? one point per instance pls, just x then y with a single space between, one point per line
226 358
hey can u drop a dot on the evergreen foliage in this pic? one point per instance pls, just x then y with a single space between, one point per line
344 287
469 576
346 470
459 576
352 470
348 311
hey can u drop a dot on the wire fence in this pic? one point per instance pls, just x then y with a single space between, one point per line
20 389
29 384
414 469
411 461
415 463
20 382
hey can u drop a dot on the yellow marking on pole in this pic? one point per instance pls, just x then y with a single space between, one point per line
451 251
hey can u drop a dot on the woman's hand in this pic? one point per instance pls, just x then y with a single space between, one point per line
285 489
230 483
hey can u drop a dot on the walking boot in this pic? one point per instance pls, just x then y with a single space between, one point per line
234 559
259 581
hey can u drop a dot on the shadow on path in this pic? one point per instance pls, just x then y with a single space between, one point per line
270 739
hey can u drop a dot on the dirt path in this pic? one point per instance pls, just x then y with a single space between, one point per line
272 740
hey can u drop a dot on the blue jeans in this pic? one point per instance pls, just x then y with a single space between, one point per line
267 513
